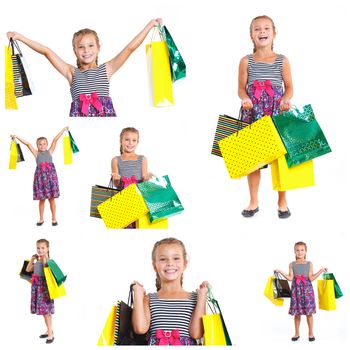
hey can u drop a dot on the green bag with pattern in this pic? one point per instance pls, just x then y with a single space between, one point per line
337 291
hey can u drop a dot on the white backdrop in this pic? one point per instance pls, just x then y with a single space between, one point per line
235 254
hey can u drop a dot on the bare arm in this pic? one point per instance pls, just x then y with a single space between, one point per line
30 266
115 63
64 68
26 143
196 329
313 276
242 82
56 138
141 315
288 276
288 85
115 172
145 174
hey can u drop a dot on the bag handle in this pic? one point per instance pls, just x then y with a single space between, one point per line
211 302
131 295
160 33
14 44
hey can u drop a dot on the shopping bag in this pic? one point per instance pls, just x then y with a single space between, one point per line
20 157
20 77
100 194
251 148
301 135
67 150
13 155
337 291
177 64
326 295
10 97
107 334
73 145
226 127
215 331
160 197
285 179
55 291
60 277
281 287
159 73
24 274
268 292
144 222
123 208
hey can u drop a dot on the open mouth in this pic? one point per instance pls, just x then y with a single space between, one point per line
263 38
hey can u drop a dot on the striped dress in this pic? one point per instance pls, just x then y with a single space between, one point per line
264 88
170 320
90 93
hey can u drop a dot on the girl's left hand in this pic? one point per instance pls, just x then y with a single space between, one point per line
157 21
147 176
202 290
284 105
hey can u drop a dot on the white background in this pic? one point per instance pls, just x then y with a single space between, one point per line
235 254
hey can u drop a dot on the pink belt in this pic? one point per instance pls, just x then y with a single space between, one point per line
89 99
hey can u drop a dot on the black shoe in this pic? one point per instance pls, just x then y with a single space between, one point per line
43 336
49 341
250 213
295 338
284 214
39 223
55 223
311 338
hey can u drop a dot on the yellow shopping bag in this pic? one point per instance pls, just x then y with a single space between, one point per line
213 330
10 97
144 222
55 291
285 179
123 208
160 73
268 292
107 334
251 148
326 295
67 150
13 155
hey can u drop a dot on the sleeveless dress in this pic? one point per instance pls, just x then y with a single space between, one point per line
40 304
264 88
170 320
90 93
45 184
302 300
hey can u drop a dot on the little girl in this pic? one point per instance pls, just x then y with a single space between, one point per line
45 185
41 304
262 76
302 300
89 82
171 316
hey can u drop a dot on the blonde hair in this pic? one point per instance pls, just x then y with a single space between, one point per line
45 241
83 32
162 242
41 139
124 131
261 17
300 243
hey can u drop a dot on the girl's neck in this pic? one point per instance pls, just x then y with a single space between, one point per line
173 287
84 67
129 156
302 260
265 53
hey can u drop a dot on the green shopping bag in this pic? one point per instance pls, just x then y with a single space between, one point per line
160 198
301 135
56 271
337 291
74 146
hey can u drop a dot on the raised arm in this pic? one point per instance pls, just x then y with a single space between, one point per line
115 63
64 68
141 315
288 85
242 82
313 276
26 143
56 138
288 276
115 172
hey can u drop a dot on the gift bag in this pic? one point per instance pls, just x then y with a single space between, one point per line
326 295
20 157
123 208
215 331
337 291
13 155
285 179
301 135
160 197
24 274
20 77
67 150
177 64
159 73
269 293
55 291
144 222
73 145
251 148
100 194
56 271
10 97
107 334
281 287
226 127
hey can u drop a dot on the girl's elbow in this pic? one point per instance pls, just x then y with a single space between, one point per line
140 329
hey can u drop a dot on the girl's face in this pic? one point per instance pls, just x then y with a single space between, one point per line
86 49
42 249
42 145
129 142
300 251
262 33
169 262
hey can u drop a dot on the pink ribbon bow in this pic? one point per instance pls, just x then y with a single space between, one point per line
45 165
300 278
35 278
129 180
87 99
168 337
261 86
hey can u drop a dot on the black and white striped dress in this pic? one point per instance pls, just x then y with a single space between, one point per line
91 87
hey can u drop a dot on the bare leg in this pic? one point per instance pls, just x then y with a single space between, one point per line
253 183
310 323
297 320
282 201
48 322
53 208
41 210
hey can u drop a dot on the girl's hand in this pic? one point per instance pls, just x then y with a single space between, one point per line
324 269
147 176
34 257
247 103
138 288
156 22
284 105
116 176
13 35
202 290
277 271
13 137
66 128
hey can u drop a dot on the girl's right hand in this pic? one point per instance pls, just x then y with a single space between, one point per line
12 35
247 103
116 176
34 257
13 136
138 288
